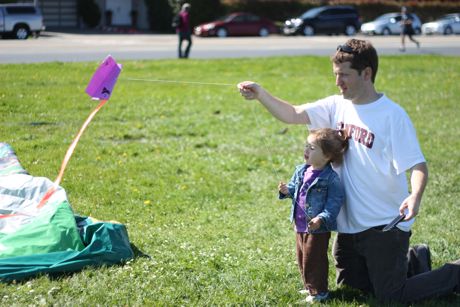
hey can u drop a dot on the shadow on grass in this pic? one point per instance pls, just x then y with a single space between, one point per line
352 296
445 301
355 297
138 253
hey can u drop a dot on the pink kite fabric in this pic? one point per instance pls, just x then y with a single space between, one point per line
104 79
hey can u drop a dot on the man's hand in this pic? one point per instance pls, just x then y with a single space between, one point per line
249 90
418 179
410 207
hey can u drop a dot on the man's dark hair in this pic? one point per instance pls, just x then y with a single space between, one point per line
360 53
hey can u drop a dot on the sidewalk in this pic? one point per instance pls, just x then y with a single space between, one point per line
99 31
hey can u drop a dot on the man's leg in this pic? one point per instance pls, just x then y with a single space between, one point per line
386 259
403 43
180 45
413 39
189 45
419 257
351 269
439 282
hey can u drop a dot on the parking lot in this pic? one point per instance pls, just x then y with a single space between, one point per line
68 47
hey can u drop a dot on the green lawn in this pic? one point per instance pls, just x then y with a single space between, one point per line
192 171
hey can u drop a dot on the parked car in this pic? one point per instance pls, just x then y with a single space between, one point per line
326 20
237 24
390 23
447 24
20 20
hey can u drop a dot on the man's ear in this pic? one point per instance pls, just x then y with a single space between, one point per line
367 73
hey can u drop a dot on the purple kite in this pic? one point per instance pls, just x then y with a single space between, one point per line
104 79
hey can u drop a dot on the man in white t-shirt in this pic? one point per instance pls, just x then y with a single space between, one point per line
383 146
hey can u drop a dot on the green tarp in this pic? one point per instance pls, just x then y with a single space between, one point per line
104 244
49 239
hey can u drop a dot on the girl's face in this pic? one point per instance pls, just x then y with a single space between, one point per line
313 154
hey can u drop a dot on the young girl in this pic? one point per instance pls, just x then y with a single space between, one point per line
317 196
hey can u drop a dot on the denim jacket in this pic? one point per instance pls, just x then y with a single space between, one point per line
325 196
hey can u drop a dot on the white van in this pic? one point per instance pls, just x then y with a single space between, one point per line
20 20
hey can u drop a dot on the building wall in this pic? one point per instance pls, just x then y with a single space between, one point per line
59 13
63 13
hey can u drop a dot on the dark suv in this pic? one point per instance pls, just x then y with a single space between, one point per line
326 20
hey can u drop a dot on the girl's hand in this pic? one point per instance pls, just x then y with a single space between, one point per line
314 223
282 187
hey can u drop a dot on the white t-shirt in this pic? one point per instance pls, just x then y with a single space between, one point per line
382 147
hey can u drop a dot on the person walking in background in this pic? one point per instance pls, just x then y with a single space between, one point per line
383 146
184 31
407 29
317 195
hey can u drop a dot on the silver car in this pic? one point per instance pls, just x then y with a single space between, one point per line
447 24
20 20
390 23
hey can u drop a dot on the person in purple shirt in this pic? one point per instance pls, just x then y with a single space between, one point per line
184 31
317 196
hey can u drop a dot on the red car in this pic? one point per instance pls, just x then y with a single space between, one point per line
237 24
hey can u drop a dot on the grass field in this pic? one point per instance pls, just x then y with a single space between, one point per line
192 171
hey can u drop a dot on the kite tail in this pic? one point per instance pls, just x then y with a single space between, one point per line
68 155
2 216
47 196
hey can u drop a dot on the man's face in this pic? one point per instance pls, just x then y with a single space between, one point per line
349 82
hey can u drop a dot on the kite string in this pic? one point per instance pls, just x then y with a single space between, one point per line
68 155
258 123
180 82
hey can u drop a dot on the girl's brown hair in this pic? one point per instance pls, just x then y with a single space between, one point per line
333 143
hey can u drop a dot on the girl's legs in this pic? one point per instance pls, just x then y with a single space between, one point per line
313 261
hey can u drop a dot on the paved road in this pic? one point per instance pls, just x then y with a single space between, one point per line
65 47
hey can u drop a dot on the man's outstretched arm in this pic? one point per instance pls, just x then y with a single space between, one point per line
282 110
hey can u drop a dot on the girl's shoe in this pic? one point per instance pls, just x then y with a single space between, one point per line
311 299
